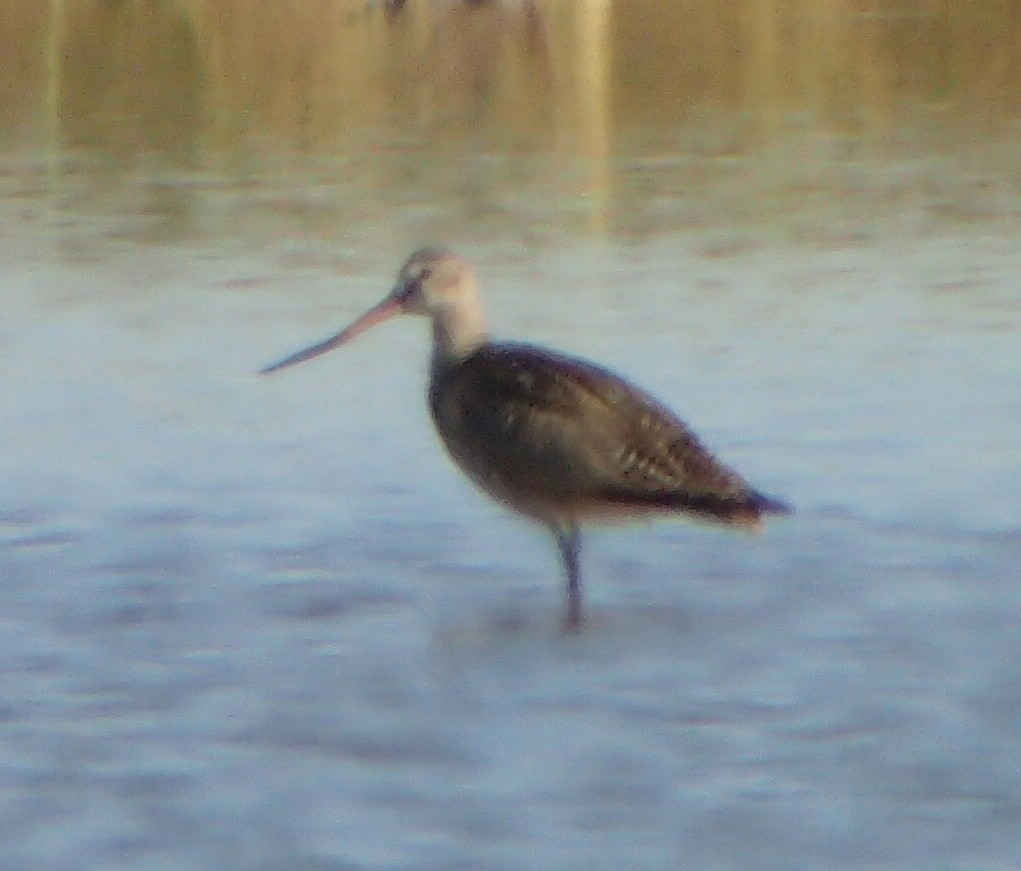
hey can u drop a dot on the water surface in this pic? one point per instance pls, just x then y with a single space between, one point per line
254 623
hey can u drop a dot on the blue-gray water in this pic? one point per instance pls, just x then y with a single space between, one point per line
262 623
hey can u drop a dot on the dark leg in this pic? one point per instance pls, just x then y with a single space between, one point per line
569 542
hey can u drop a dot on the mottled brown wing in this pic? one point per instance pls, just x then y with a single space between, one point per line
527 423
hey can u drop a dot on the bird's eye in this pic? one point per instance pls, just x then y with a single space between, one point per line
425 273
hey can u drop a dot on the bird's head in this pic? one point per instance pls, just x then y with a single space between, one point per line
432 281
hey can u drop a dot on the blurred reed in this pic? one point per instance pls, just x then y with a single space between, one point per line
581 71
799 84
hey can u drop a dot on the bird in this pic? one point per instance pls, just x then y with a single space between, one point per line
556 438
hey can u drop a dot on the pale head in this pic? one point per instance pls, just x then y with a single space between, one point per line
432 282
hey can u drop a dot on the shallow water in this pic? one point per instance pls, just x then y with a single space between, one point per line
251 623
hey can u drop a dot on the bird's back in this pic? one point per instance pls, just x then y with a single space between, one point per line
557 437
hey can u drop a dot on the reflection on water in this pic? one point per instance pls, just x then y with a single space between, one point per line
250 623
816 93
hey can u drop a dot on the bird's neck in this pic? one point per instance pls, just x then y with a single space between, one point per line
457 331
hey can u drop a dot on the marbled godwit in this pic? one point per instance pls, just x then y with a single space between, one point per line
558 439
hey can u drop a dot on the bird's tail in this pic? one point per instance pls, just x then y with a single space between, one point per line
768 505
741 509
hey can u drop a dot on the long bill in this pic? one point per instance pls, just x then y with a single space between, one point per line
377 314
